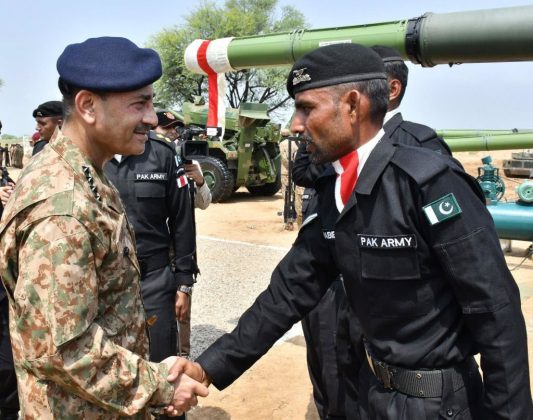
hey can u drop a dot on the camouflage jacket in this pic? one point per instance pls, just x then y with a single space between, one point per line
76 316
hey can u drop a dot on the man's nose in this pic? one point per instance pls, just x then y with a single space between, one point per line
150 117
297 125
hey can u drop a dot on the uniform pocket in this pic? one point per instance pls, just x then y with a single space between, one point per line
150 189
392 281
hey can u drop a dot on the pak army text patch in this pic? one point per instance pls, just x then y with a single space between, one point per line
151 176
397 241
442 209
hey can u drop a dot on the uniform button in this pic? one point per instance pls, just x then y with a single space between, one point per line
421 393
449 413
418 376
126 251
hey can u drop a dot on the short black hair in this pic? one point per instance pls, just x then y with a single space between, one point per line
69 92
398 70
377 90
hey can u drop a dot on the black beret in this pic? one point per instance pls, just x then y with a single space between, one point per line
49 109
387 54
333 65
167 119
109 64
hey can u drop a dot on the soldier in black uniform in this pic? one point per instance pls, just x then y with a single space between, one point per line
422 265
331 338
399 130
159 208
48 116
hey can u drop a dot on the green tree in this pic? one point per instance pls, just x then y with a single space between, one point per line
209 21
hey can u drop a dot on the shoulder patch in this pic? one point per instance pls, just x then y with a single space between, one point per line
442 209
420 164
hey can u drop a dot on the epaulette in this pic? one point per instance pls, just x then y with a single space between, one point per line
421 132
161 139
419 163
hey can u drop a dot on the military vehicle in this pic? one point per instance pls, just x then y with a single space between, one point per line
247 154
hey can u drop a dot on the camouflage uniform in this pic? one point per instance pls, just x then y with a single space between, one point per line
76 317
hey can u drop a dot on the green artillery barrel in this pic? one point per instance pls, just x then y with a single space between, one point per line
462 133
489 142
480 36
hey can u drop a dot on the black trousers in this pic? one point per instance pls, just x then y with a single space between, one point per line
9 402
320 332
158 289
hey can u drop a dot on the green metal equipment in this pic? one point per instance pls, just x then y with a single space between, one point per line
247 155
480 36
513 220
473 140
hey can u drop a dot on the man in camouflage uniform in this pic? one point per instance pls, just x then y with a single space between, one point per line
69 263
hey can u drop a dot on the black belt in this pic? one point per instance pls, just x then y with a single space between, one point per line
153 262
422 383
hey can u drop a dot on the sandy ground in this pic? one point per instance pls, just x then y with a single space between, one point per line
278 387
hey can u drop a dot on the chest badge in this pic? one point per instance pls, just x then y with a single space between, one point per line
442 209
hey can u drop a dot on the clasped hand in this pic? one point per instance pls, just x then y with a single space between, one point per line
189 381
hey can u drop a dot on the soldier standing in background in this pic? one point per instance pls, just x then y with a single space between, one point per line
77 321
7 160
170 126
298 191
49 117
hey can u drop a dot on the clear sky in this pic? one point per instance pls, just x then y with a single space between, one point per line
34 33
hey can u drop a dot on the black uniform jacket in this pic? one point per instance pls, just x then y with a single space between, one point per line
148 188
38 146
427 296
414 134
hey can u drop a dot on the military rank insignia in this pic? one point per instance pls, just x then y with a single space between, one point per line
442 209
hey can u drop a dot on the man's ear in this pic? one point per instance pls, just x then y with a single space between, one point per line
353 99
84 102
395 89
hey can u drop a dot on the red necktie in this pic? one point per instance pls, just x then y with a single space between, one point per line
348 177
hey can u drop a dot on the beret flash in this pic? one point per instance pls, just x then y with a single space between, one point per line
49 109
387 54
109 64
333 65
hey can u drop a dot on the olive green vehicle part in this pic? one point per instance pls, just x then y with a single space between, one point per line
247 155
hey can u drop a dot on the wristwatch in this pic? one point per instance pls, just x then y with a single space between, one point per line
185 289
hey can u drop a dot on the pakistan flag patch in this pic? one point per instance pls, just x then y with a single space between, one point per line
442 209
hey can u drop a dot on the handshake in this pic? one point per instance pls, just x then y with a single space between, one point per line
189 380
